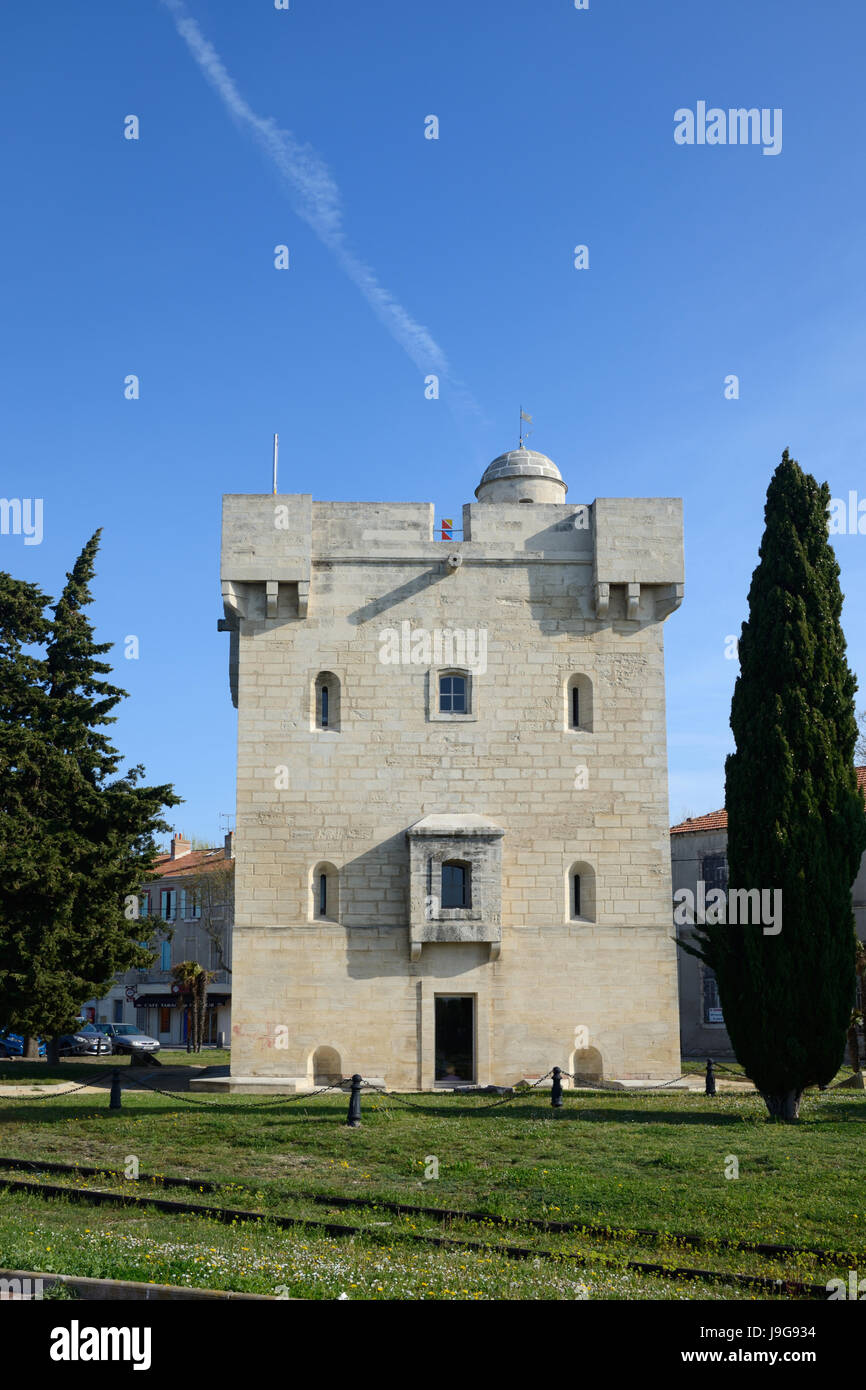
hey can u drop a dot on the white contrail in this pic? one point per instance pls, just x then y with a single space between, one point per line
315 196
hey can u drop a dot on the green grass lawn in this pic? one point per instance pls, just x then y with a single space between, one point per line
18 1072
208 1057
53 1236
655 1161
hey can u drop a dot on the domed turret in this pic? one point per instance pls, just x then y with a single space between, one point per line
521 475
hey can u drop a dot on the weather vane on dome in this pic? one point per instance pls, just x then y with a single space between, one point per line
528 419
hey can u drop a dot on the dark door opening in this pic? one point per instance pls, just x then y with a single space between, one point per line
455 1038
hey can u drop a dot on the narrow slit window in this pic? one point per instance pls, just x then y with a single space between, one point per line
323 895
576 895
577 713
325 703
455 885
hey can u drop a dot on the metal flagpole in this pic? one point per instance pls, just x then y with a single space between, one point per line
276 447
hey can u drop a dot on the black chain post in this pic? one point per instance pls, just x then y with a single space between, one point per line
115 1101
353 1119
556 1088
710 1086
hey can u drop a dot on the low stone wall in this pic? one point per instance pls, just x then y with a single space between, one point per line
26 1285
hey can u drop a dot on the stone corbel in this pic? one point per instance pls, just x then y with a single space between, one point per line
231 603
495 950
668 597
632 600
272 597
303 597
602 600
415 949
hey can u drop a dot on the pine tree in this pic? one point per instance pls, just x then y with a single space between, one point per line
23 627
76 836
796 819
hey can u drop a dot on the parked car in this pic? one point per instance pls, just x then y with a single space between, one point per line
85 1041
12 1044
125 1037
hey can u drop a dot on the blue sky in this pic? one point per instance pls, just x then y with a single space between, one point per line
156 257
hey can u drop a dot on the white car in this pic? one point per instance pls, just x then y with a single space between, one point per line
125 1037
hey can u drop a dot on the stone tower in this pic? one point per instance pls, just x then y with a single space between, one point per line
452 858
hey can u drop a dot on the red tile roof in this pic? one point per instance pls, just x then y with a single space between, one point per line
718 820
713 820
196 862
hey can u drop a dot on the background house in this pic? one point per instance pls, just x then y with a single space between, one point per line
699 850
193 895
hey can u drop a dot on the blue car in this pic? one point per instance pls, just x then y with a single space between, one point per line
12 1044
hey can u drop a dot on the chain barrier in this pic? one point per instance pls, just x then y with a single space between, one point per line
741 1076
303 1095
398 1099
717 1066
55 1095
490 1105
391 1095
616 1089
263 1105
506 1100
130 1084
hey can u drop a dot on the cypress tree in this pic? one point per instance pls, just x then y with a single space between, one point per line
796 818
76 835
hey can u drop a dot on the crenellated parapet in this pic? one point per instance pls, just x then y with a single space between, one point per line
618 551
